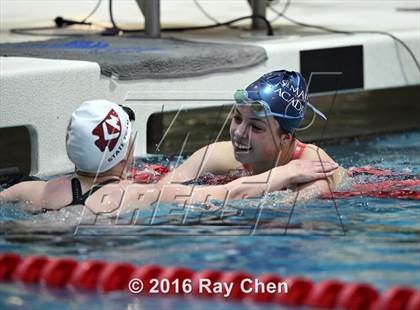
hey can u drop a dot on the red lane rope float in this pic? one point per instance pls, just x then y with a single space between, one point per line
265 297
172 274
56 273
29 270
105 277
414 302
145 273
395 189
235 277
8 264
114 277
211 275
357 296
149 174
324 294
394 298
86 274
298 289
398 194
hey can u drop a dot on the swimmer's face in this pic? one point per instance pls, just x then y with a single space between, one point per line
255 140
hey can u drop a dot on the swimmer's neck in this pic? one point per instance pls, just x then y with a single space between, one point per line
92 178
281 159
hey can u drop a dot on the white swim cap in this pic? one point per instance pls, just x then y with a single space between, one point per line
98 136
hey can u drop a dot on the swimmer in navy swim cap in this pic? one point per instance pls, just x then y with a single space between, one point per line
266 115
99 143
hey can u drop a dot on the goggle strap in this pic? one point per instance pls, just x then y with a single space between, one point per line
316 110
284 116
244 98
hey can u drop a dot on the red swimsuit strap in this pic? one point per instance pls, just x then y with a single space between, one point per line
300 147
247 167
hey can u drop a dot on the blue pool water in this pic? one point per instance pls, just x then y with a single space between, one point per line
378 241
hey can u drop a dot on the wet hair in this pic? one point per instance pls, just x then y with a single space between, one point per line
281 131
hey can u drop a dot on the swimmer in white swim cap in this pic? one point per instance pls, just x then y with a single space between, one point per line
98 137
98 142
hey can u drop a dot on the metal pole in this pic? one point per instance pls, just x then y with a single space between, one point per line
258 8
151 13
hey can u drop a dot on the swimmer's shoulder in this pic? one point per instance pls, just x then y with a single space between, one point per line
57 193
217 158
313 152
121 196
221 158
214 149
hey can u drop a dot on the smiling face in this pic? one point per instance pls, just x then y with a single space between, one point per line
256 141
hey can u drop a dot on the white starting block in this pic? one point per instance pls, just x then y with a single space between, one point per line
40 94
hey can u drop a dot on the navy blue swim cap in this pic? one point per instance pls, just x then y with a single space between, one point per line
283 95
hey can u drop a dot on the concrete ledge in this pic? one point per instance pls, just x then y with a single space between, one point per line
41 94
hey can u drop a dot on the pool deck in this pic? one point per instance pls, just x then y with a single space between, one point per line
41 94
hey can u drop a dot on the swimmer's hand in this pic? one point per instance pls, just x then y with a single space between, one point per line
303 171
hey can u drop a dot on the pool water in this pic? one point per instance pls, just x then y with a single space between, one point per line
358 239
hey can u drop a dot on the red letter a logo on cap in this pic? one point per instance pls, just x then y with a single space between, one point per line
108 131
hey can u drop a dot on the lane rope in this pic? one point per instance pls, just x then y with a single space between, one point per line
392 189
104 277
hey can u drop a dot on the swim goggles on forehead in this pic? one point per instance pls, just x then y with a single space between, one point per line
262 109
259 107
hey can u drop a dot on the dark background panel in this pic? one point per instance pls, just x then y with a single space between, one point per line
322 62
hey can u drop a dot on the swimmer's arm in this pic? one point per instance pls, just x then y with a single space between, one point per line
216 158
279 178
275 179
318 187
245 187
140 196
128 196
314 189
257 185
24 191
327 185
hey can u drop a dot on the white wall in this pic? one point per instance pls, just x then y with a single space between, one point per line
354 14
